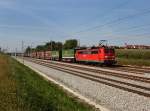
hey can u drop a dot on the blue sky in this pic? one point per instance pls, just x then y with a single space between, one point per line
38 21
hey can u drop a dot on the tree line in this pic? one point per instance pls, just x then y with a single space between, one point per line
53 45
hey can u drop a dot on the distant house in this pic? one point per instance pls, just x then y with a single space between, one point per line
137 47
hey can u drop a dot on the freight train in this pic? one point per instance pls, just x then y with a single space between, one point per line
94 55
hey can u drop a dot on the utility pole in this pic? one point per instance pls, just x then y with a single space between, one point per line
103 43
31 48
51 45
23 52
51 48
16 52
79 43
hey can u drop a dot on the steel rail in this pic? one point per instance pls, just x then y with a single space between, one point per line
131 77
97 79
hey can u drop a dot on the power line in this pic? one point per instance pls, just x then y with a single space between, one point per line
137 27
134 28
106 13
129 36
111 10
146 11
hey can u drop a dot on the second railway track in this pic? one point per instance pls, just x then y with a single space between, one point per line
136 70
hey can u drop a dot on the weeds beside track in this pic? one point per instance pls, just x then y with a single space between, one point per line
21 89
9 100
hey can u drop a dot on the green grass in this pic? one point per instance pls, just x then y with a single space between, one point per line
30 92
135 62
133 53
8 88
139 57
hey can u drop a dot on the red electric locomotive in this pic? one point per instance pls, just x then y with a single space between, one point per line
102 55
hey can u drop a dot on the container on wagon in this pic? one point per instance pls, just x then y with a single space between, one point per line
41 55
33 54
48 55
68 55
56 55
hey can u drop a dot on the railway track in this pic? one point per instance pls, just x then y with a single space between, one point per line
78 71
137 70
130 69
102 72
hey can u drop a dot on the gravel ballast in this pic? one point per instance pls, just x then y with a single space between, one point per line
107 96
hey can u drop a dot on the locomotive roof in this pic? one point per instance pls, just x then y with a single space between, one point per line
106 47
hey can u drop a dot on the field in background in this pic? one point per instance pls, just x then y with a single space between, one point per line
139 57
21 89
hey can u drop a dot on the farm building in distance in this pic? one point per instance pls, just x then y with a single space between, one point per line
137 46
132 47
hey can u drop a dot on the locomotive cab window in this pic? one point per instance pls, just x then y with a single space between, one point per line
81 52
84 52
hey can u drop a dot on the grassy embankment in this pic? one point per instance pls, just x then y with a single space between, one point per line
139 57
21 89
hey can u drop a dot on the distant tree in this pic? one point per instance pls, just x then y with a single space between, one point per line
59 45
33 49
40 48
70 44
28 49
116 47
52 45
